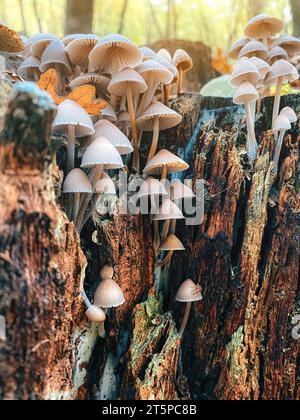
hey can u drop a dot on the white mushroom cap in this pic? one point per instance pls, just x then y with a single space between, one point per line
109 295
169 211
282 123
244 71
254 47
282 68
290 114
114 53
277 53
77 182
108 113
261 66
69 38
148 53
168 118
28 66
105 185
170 66
236 47
164 53
263 26
125 78
98 80
101 152
182 60
172 243
290 43
165 158
152 187
95 314
107 272
54 54
154 71
105 128
39 42
189 292
80 48
71 113
178 190
245 93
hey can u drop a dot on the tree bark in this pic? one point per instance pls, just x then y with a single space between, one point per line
296 17
79 16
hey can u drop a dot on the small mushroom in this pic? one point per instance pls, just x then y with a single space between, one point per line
94 313
154 189
263 27
99 81
164 53
254 49
291 44
104 128
179 191
30 69
277 53
107 272
123 122
282 124
108 113
236 48
39 43
290 114
69 38
148 53
188 293
244 71
76 183
167 212
165 162
184 63
170 245
80 48
156 118
173 69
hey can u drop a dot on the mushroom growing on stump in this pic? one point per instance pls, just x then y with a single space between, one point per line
188 293
184 63
56 57
108 113
156 118
254 49
170 245
154 189
289 43
244 71
236 48
179 191
130 84
173 69
245 95
263 27
30 69
123 122
282 124
99 81
277 53
39 43
148 53
76 183
107 272
104 128
290 114
80 48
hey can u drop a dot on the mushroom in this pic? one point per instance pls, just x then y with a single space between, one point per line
69 38
55 56
173 69
76 183
148 53
282 124
108 113
254 49
179 191
39 43
156 118
123 122
94 313
282 72
188 293
245 94
165 162
244 71
30 69
107 272
10 41
170 245
164 53
263 69
289 43
168 211
154 74
104 128
263 27
277 53
114 53
80 48
236 47
290 113
154 189
184 63
130 84
99 81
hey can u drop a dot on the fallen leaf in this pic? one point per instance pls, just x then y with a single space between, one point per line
10 41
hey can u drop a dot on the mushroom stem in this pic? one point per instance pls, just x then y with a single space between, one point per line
166 260
277 101
101 327
36 75
166 229
60 84
148 96
113 101
185 318
133 128
86 299
90 212
251 139
166 94
180 81
156 236
164 174
71 148
155 139
278 149
265 41
76 205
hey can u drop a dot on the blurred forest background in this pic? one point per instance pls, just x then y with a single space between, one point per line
215 22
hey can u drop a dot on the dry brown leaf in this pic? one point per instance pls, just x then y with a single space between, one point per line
10 41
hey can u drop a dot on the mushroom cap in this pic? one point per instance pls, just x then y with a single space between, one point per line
262 67
107 272
71 113
152 187
124 79
164 53
154 71
95 314
28 66
148 53
69 38
108 113
178 190
244 71
39 42
172 243
246 92
80 48
189 292
282 68
105 128
282 123
165 158
102 153
10 41
109 295
105 185
123 116
290 114
55 53
236 47
94 79
182 60
114 53
169 211
170 66
168 118
290 43
277 53
263 26
77 182
254 47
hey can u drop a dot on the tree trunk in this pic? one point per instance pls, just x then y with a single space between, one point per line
79 16
295 7
123 16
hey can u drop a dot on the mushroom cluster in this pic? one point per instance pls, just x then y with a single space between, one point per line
263 60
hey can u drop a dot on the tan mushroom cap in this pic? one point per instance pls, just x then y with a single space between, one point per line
71 113
172 243
108 113
170 66
169 211
277 53
178 190
26 69
107 272
168 118
261 66
282 123
114 53
95 314
290 114
98 80
244 71
148 53
254 48
39 43
153 71
10 41
189 292
152 187
182 60
290 43
284 69
109 295
164 53
102 153
246 92
236 47
127 78
105 128
105 185
54 54
77 182
165 158
80 48
263 26
69 38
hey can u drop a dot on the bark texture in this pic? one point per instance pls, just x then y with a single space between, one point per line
79 16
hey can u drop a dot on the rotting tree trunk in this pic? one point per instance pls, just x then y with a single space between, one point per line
295 9
79 16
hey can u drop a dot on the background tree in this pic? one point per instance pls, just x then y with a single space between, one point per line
295 8
79 16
